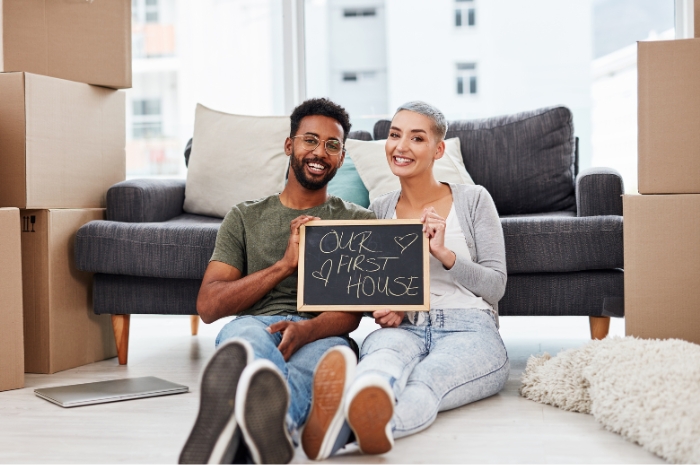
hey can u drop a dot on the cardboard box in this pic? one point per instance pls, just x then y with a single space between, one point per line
63 142
662 266
669 116
78 40
11 336
61 330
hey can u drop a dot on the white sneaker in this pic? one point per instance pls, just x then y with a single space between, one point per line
369 407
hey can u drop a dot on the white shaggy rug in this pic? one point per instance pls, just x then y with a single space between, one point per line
646 390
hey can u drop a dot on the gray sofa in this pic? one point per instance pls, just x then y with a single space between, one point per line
563 229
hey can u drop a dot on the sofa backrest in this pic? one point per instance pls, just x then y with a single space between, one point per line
527 161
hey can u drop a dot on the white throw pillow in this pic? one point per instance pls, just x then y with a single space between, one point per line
370 160
234 158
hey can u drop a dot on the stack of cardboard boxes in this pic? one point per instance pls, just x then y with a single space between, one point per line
662 226
62 127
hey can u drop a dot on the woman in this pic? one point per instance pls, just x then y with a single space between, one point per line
421 363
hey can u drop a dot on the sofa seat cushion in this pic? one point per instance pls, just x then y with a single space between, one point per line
544 244
526 161
178 248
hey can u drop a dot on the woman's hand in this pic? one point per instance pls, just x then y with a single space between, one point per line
388 318
434 229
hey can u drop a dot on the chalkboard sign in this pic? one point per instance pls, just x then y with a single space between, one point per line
363 266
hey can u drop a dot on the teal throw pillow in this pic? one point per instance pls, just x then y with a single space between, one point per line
348 185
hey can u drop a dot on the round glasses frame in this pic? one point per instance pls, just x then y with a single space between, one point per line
332 151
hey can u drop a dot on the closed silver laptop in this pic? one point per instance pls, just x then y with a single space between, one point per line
109 391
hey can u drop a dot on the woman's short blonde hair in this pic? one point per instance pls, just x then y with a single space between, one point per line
426 109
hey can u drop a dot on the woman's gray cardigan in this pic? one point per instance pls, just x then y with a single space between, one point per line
485 275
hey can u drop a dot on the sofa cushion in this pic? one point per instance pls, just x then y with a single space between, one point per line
370 160
234 158
542 244
348 185
526 161
178 248
117 294
581 293
144 200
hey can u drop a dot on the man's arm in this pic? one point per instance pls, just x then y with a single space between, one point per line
296 334
225 292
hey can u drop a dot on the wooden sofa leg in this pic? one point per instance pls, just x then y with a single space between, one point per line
194 324
120 324
600 325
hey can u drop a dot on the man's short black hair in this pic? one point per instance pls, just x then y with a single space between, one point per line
323 107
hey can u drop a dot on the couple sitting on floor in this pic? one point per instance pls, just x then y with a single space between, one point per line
277 371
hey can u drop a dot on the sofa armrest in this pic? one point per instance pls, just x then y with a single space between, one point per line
599 192
145 200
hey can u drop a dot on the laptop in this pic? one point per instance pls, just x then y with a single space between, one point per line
109 391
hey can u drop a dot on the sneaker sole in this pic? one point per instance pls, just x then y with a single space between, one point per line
368 415
215 433
326 416
261 411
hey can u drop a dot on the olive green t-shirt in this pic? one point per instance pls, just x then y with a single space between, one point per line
254 236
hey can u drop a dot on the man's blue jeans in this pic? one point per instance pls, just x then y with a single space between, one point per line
298 371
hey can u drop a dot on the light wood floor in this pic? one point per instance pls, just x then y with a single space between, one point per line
504 428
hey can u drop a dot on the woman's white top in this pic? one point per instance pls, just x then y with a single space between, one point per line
445 291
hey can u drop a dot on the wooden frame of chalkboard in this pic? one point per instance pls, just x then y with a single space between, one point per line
363 265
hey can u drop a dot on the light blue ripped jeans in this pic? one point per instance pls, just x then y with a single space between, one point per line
456 357
298 371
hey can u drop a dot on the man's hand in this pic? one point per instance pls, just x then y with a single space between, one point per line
295 334
291 255
388 318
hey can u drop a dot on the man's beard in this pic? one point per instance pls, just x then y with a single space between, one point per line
298 166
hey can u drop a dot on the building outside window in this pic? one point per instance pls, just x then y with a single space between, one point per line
145 11
358 76
359 12
147 118
465 13
466 78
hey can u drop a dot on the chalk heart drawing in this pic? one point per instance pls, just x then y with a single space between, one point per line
318 275
406 241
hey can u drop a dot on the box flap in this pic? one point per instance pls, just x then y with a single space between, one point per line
35 278
77 335
76 138
11 331
662 269
90 41
24 36
669 116
12 134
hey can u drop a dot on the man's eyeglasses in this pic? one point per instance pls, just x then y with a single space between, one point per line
310 142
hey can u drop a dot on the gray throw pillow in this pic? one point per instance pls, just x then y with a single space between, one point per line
525 160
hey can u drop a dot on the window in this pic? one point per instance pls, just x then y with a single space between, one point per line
465 13
151 11
354 76
145 11
466 78
147 119
359 12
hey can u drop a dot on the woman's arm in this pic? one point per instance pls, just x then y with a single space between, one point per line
487 277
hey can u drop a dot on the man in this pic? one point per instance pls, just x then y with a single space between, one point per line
256 389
